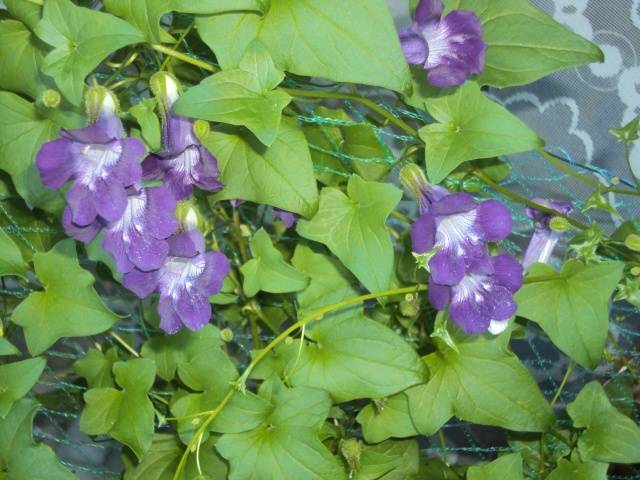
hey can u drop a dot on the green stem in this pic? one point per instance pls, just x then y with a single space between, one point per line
184 57
177 44
525 201
239 384
563 383
294 92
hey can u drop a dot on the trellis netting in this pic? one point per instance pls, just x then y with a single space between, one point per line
181 411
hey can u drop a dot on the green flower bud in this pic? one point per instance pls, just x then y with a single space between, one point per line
351 450
635 271
166 89
201 128
51 98
410 306
414 181
190 217
560 224
226 335
99 99
632 242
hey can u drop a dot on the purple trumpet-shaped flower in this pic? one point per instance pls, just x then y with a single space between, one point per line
544 239
289 219
99 160
483 299
186 280
459 228
450 49
138 239
184 161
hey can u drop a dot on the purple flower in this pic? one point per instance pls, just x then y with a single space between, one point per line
98 159
450 49
138 239
184 161
459 228
483 299
544 239
288 218
186 280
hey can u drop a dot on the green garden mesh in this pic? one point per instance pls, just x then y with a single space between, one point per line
60 389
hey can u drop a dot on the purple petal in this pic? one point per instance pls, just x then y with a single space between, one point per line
504 305
414 47
206 172
194 309
186 244
169 319
129 169
113 243
160 216
494 219
453 204
445 76
428 10
53 163
472 314
423 233
446 267
216 269
81 203
507 272
176 183
541 245
439 295
151 168
146 253
85 234
141 283
288 218
110 199
179 133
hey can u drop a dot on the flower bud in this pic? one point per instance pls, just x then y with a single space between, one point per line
99 100
50 98
635 271
560 224
632 242
414 181
189 216
201 128
166 89
410 306
226 335
351 450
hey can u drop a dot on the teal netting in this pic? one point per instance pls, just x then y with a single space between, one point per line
60 389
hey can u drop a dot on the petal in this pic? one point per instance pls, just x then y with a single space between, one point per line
110 124
186 244
288 218
446 267
541 246
178 134
453 204
445 76
94 133
160 217
141 283
507 272
428 10
205 173
423 233
110 199
176 183
194 309
85 234
151 168
129 167
115 245
496 327
494 220
216 269
169 319
146 253
504 307
54 163
81 203
471 315
414 47
439 295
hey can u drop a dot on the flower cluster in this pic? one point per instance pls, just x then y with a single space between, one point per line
450 49
453 231
150 247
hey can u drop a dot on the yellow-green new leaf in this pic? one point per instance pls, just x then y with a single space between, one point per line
11 261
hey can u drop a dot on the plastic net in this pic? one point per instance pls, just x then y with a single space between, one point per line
60 389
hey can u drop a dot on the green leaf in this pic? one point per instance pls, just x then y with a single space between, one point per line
216 6
369 156
355 358
610 436
280 175
144 113
22 132
353 228
571 306
390 460
20 56
573 470
334 42
485 383
16 379
96 367
11 261
329 283
161 461
78 50
68 307
628 133
297 413
127 414
267 270
145 15
525 44
241 96
27 12
506 467
386 418
20 457
7 348
470 126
